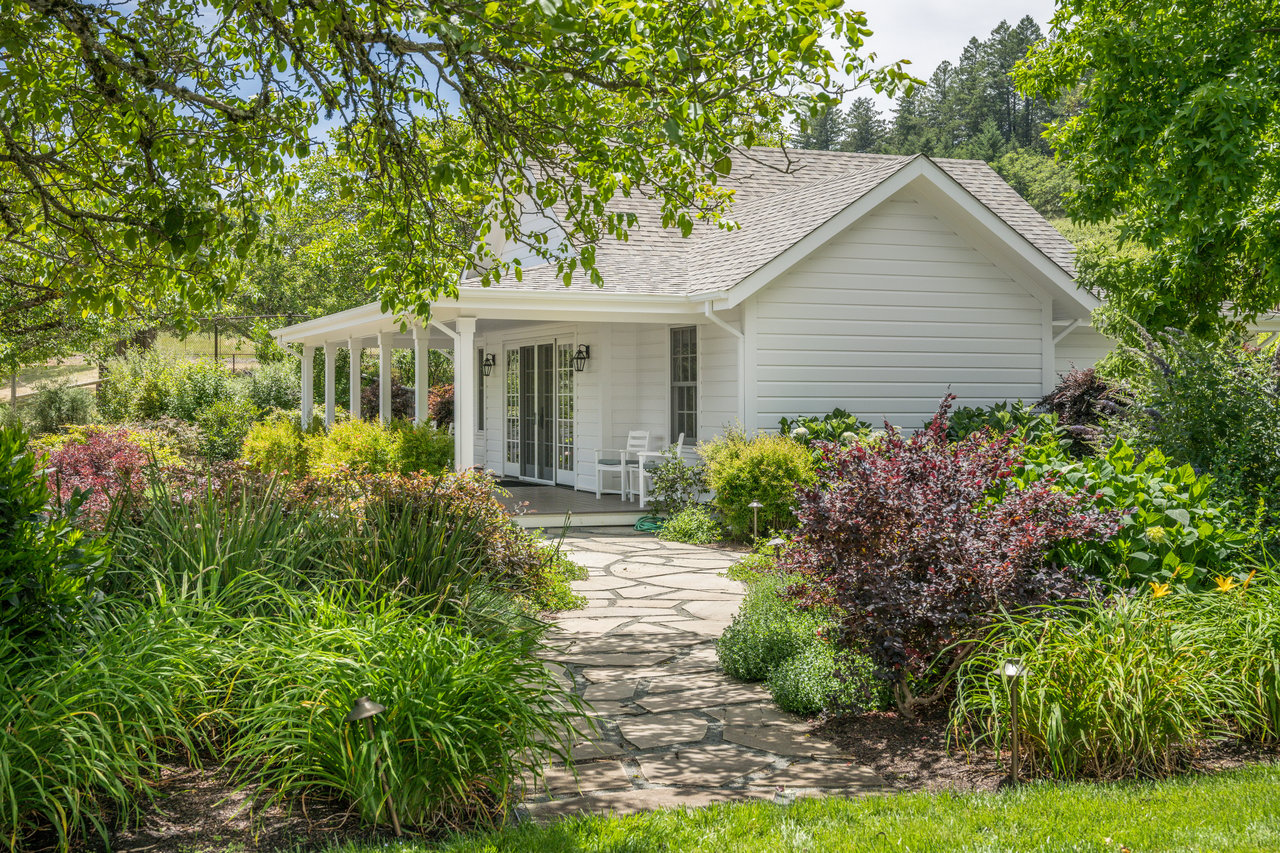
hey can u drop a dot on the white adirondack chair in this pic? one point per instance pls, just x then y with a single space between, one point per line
618 461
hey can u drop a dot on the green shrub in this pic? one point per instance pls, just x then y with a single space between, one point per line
812 681
58 404
48 568
273 385
361 447
1171 530
276 446
694 525
766 631
835 426
1212 404
422 448
1131 685
196 387
9 417
754 566
223 427
767 468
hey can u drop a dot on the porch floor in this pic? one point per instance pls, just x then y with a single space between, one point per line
537 505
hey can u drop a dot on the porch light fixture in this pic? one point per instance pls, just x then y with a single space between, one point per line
1013 672
490 361
581 357
365 709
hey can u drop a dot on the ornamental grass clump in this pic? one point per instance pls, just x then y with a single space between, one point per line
902 539
1131 685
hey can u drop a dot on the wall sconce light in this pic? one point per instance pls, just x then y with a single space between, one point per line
490 361
580 357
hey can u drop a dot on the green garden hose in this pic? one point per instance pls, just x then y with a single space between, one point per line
650 524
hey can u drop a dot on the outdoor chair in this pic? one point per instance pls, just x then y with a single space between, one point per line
618 461
642 473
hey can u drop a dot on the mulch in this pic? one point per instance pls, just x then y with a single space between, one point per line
915 755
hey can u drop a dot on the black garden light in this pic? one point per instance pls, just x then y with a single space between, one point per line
1013 672
366 709
490 362
581 357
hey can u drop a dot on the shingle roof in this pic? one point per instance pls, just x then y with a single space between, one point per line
779 197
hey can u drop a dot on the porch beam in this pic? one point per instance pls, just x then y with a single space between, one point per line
464 393
384 377
355 350
307 403
330 382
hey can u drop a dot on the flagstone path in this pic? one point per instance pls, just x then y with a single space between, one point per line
673 729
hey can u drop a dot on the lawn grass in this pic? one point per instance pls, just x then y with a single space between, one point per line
1236 811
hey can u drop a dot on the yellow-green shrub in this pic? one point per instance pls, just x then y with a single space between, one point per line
362 447
767 468
423 448
276 446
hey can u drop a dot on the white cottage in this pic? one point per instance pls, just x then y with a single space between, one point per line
873 283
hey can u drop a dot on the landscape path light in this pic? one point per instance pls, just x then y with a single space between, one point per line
1013 672
755 519
366 709
776 544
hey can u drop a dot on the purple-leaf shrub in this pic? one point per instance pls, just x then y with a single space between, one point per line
903 538
106 463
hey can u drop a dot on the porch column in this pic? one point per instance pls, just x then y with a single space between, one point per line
355 350
421 375
384 377
330 382
308 392
464 394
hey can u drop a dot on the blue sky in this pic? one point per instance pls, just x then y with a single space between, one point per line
929 31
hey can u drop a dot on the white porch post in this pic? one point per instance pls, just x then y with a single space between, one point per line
421 379
308 392
384 377
354 349
330 382
464 393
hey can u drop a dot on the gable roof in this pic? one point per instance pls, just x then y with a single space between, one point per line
780 196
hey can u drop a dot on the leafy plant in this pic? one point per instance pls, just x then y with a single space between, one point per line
1215 405
273 385
768 468
1171 530
676 484
694 525
196 386
361 447
56 404
223 427
48 567
1002 417
837 425
276 446
94 465
812 681
766 630
903 540
423 448
401 400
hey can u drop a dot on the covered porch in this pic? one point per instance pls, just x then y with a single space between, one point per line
543 380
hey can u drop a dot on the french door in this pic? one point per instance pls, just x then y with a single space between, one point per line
540 411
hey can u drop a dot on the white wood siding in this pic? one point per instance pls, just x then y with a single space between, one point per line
718 377
887 315
1081 348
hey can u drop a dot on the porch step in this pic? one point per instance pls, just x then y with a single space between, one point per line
550 522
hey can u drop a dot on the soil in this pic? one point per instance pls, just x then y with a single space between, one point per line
913 756
200 811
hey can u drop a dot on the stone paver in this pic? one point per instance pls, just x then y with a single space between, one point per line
673 730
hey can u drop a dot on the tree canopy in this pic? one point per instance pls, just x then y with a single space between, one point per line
1178 138
145 145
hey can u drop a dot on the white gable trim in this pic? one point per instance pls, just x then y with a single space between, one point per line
920 168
